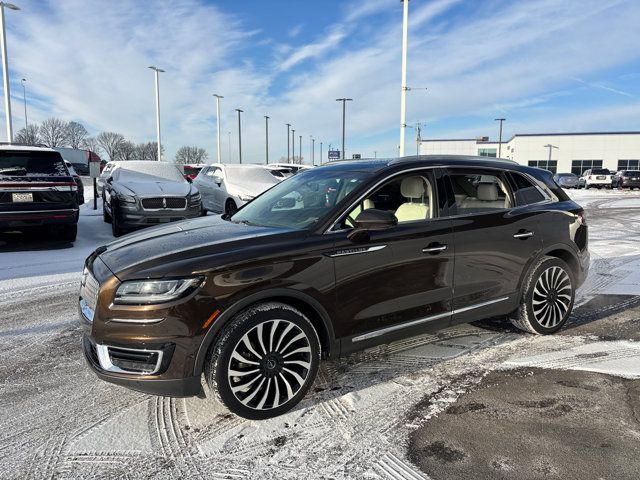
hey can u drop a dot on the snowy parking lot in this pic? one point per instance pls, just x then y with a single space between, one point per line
474 401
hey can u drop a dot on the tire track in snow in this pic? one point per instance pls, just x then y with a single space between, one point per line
392 468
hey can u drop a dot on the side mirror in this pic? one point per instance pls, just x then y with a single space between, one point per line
110 180
189 180
217 179
371 220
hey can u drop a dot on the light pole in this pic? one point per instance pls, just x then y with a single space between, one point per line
403 92
24 96
313 150
157 75
239 135
500 136
550 147
293 145
320 153
229 147
218 97
344 102
375 154
266 137
288 144
5 70
300 151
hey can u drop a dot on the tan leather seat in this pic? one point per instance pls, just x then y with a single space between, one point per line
417 208
487 197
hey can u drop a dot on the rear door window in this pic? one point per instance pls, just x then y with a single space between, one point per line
478 192
524 191
31 164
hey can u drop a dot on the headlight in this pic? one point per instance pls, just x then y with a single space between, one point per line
126 198
195 198
144 292
245 198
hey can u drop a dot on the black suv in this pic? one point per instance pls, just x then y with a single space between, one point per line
335 259
37 191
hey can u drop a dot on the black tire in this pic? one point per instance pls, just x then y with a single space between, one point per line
554 305
279 324
230 207
105 215
68 233
203 212
115 223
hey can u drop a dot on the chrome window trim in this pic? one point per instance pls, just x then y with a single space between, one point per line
393 328
105 360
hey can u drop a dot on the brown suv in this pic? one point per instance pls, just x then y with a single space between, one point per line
332 260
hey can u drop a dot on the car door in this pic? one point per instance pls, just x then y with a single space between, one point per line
496 237
397 282
203 184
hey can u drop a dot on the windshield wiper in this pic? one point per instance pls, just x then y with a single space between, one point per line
14 170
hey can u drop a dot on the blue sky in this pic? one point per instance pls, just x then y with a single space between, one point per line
545 65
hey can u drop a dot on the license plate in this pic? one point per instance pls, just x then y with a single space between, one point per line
635 179
22 197
601 177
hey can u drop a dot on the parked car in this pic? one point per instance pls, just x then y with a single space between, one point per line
191 171
597 177
225 188
254 300
37 192
78 181
143 193
566 180
105 173
626 179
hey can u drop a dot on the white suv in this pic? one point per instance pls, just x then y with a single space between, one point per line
597 177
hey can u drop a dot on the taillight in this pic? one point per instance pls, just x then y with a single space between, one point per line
589 177
582 217
623 178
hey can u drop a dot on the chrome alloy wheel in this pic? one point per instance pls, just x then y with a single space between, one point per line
269 364
552 296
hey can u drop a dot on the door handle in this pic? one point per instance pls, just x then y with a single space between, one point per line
523 235
434 248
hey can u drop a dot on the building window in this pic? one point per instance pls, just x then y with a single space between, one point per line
551 165
579 166
488 152
628 164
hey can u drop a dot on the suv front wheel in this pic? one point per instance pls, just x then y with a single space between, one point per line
264 361
547 299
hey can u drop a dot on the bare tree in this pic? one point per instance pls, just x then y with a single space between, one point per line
126 151
147 151
110 142
91 144
54 132
29 135
188 154
76 133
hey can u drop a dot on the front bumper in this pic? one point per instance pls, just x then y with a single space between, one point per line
151 384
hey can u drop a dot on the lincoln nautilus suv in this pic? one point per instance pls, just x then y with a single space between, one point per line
333 260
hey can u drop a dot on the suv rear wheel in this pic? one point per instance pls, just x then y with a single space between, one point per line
547 299
264 361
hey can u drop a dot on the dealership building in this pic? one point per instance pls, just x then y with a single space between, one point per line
570 152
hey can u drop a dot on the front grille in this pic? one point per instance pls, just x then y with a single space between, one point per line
134 361
156 203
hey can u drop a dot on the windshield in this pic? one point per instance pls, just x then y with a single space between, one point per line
164 170
248 173
301 200
31 163
600 171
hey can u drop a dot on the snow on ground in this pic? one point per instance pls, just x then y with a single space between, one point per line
60 421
